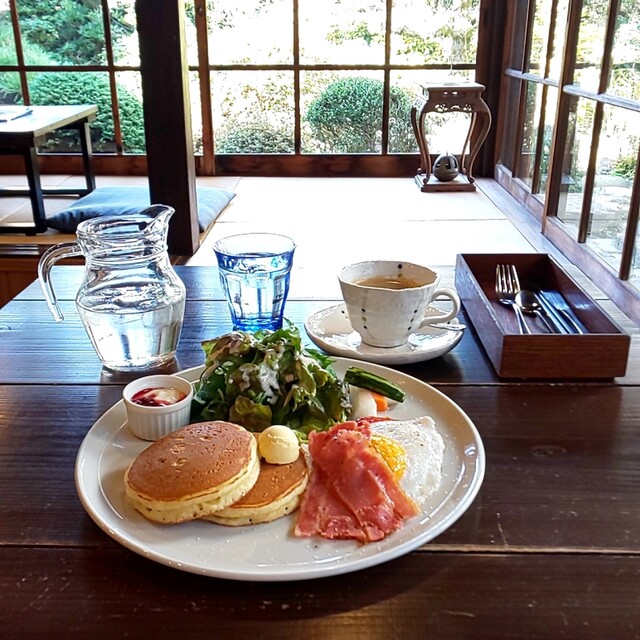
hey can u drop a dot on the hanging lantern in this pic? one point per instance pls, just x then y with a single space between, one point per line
446 167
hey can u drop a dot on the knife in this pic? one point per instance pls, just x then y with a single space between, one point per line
556 304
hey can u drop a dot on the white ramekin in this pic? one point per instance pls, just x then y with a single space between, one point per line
152 423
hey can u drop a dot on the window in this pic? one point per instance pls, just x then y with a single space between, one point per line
302 77
571 132
69 52
290 79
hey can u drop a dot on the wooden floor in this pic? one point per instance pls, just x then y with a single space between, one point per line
335 221
332 220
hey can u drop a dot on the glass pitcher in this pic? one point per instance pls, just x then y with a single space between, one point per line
131 301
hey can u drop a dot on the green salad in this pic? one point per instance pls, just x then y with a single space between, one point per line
266 377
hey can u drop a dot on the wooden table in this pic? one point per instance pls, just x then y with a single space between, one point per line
451 97
20 137
550 548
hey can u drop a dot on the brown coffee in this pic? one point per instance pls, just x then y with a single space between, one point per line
389 282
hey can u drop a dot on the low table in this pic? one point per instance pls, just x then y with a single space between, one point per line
20 137
465 98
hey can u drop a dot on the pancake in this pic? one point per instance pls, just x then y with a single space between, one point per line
276 493
193 471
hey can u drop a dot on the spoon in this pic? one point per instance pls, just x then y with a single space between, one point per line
449 326
528 302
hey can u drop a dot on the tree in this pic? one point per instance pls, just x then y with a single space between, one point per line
72 30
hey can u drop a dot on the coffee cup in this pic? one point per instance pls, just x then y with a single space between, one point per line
387 300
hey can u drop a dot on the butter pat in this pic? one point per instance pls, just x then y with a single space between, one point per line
278 444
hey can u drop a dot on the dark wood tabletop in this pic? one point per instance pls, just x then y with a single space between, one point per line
549 548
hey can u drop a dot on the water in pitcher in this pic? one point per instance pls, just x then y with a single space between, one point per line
131 301
137 338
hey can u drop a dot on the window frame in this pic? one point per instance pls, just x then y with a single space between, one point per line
297 164
544 207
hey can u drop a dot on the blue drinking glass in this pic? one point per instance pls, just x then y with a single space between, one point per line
255 269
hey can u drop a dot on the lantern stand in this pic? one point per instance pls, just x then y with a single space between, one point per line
447 98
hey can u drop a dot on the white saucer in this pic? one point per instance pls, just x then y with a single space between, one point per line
330 330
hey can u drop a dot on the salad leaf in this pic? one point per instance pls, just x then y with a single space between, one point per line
266 377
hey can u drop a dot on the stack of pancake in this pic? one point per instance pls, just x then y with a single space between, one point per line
212 471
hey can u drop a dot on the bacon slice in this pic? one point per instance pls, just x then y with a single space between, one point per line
352 493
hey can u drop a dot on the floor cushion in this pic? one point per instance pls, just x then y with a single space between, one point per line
122 200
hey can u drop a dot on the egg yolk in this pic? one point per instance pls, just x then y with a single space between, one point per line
391 452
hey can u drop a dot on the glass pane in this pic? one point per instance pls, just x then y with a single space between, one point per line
526 159
615 166
510 130
575 163
625 68
547 137
253 111
341 111
129 87
440 33
555 65
76 87
540 37
634 276
338 32
8 54
10 89
591 38
250 32
124 33
401 136
196 112
62 32
191 36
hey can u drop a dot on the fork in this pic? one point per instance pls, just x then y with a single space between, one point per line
507 285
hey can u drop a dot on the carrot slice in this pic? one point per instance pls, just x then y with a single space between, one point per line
381 402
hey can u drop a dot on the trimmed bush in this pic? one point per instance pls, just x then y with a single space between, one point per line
260 137
93 88
347 117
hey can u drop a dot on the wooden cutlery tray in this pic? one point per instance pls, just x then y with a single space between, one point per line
601 353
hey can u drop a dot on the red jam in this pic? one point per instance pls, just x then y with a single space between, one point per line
161 397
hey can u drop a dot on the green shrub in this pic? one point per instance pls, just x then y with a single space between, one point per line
624 167
347 117
93 88
260 137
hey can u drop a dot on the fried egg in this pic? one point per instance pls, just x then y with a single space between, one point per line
423 449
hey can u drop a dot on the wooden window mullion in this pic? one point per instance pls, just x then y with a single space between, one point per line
535 181
561 123
631 229
386 86
113 87
584 227
17 36
207 166
524 91
297 111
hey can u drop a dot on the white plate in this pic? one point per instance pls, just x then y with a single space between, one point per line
269 552
330 330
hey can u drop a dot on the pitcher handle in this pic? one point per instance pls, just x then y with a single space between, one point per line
48 259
